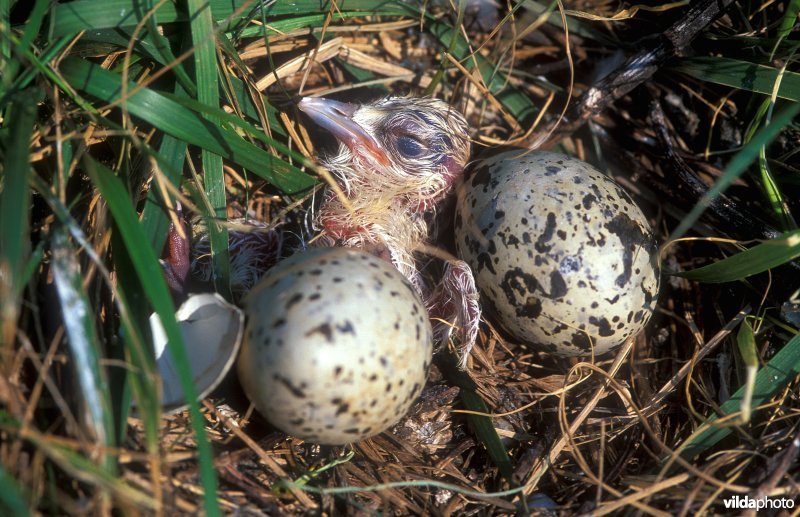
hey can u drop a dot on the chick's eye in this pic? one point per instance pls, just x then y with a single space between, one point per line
409 147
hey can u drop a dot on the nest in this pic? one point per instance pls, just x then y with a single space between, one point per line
630 431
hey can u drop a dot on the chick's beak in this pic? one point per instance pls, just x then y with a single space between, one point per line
337 117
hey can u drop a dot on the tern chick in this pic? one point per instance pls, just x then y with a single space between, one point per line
398 159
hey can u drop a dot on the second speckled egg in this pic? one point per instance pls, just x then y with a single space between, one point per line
562 256
337 346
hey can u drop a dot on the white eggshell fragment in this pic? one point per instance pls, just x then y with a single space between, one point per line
337 346
562 256
212 332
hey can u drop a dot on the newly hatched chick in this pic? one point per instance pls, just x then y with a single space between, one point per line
398 158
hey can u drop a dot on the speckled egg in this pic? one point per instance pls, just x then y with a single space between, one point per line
562 256
337 346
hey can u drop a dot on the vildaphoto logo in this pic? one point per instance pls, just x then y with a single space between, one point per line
742 502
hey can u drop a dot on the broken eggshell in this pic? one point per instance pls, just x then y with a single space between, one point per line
212 332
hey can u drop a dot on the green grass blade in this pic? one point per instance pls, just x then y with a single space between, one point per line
144 378
443 61
34 261
771 189
84 346
105 41
757 259
789 21
146 264
250 112
162 46
5 44
155 221
15 209
88 15
186 125
742 74
236 122
40 65
316 21
12 502
482 425
782 369
15 196
30 73
73 17
775 197
205 59
746 341
360 75
737 166
32 27
240 92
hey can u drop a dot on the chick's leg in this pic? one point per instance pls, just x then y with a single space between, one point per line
176 266
455 307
